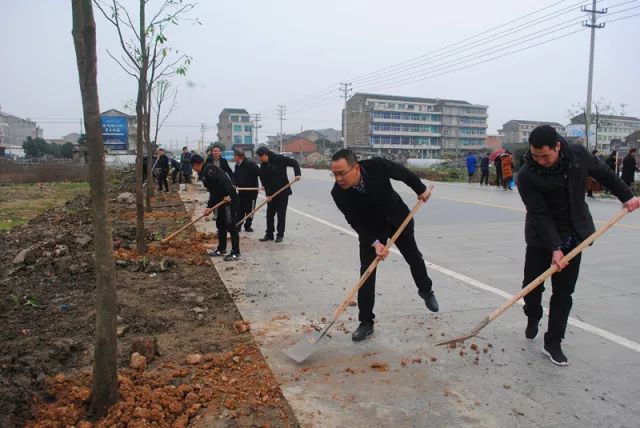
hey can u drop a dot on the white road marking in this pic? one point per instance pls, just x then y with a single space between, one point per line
622 341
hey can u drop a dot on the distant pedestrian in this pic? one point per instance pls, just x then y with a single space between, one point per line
246 174
163 170
215 157
612 161
185 166
472 163
498 164
175 170
484 168
629 167
507 170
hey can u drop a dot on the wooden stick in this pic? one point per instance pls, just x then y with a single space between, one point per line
168 238
249 189
539 280
282 189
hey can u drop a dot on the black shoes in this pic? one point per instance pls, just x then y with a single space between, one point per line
279 239
364 330
532 329
216 253
248 229
266 238
231 257
429 300
554 352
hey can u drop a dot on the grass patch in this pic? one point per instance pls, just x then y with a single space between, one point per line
19 203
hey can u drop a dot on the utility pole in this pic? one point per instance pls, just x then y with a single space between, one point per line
594 14
256 126
346 89
203 128
282 110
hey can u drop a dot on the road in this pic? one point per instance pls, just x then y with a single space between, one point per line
473 241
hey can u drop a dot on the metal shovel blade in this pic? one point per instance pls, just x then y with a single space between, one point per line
303 349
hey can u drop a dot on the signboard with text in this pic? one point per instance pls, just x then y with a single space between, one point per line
115 131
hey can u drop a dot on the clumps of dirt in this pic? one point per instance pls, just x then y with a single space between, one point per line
235 384
379 366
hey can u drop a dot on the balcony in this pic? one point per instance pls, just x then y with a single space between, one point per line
406 133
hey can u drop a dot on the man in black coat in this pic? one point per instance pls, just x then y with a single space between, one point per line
273 174
612 160
364 194
551 185
218 183
163 170
215 157
629 167
246 174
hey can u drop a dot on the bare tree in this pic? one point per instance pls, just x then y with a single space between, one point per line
105 376
163 92
138 42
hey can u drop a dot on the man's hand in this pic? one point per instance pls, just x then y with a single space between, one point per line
381 250
424 197
632 204
207 211
556 259
297 178
269 198
227 199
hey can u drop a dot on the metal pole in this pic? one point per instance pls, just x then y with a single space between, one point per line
593 27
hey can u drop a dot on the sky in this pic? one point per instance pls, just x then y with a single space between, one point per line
257 54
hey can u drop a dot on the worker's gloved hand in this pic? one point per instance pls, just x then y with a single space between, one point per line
632 204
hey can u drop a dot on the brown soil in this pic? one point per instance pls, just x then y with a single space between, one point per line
48 317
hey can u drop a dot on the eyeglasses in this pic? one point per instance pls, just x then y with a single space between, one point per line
340 174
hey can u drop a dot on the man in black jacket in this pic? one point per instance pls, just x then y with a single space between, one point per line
551 185
273 174
215 157
629 167
246 174
364 194
220 188
163 170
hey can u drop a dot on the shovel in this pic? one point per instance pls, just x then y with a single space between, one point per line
168 238
536 282
282 189
308 345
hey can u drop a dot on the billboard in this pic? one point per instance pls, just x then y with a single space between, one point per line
115 131
578 130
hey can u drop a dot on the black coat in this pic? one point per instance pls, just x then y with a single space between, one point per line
611 163
163 163
374 215
273 174
628 168
555 198
218 184
246 174
224 164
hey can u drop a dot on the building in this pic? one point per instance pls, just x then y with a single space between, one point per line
235 128
517 131
605 128
119 131
493 142
299 146
331 134
69 138
410 127
14 130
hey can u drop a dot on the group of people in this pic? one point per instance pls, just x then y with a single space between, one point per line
504 169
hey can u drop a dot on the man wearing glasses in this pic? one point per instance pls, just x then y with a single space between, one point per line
364 194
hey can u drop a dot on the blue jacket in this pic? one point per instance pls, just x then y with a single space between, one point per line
471 164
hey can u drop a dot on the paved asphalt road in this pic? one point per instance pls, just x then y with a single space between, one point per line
472 239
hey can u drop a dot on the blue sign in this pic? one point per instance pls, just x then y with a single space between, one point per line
115 131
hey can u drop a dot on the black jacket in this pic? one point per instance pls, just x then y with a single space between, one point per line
555 198
224 164
163 163
376 213
273 174
628 168
246 174
611 162
218 184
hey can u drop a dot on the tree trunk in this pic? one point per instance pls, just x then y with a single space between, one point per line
105 376
147 140
142 97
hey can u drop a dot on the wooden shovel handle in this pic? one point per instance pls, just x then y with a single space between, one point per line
282 189
377 260
553 269
168 238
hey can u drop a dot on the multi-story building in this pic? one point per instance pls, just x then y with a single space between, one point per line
235 128
14 130
606 127
517 131
410 127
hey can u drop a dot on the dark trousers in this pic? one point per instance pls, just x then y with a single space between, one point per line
563 283
406 243
247 204
484 178
162 180
278 206
471 174
226 222
174 176
498 177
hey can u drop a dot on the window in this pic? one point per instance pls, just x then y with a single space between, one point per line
237 139
248 128
233 118
248 139
237 128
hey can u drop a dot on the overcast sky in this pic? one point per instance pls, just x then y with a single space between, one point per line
258 54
